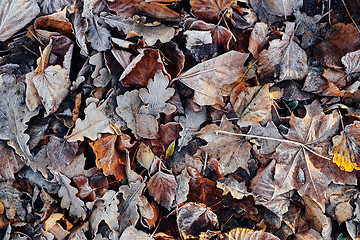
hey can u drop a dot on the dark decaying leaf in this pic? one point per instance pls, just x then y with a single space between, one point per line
210 10
11 201
61 152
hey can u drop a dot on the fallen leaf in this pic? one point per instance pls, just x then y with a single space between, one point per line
345 148
210 10
52 6
14 115
351 62
16 14
208 77
132 233
231 151
80 27
253 105
61 152
309 234
85 191
193 218
284 58
257 39
147 126
270 11
183 188
156 95
57 22
10 162
245 233
11 201
270 130
97 35
105 209
230 185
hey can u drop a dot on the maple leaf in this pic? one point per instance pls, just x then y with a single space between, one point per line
16 14
303 164
231 151
270 130
346 148
208 77
105 209
284 57
14 115
156 95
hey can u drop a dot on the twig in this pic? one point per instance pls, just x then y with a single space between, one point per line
350 16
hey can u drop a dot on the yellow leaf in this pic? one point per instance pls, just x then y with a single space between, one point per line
170 149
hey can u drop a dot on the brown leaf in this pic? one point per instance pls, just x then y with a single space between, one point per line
245 233
340 39
208 77
86 193
56 22
194 218
11 201
10 162
147 126
61 152
270 130
174 58
142 68
346 148
232 152
309 234
16 14
305 166
210 10
257 39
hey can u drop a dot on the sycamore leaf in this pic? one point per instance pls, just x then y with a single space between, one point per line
10 162
270 130
132 233
16 14
98 119
105 209
69 199
303 164
232 152
270 11
207 78
346 148
253 105
14 115
194 218
245 233
133 202
284 58
156 95
190 125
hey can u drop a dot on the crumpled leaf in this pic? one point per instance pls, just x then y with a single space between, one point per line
194 218
183 188
231 151
305 166
351 62
16 14
133 203
270 11
346 148
105 209
98 119
48 85
207 78
98 35
284 58
10 162
190 125
248 234
52 6
230 185
14 115
308 234
253 105
80 26
69 199
156 95
132 233
11 201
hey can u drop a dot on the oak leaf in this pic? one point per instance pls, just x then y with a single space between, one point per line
231 151
284 58
207 78
346 148
303 164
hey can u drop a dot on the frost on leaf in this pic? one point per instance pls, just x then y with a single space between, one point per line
156 95
16 14
304 165
132 233
270 130
207 78
105 209
351 62
284 58
10 162
253 105
210 10
235 188
11 201
98 119
69 200
245 233
132 203
346 148
14 115
47 85
61 152
231 151
98 35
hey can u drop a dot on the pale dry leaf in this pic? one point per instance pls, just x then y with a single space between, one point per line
52 6
230 185
156 95
103 79
183 188
77 168
253 105
351 62
14 115
132 203
190 125
144 155
69 199
269 130
105 209
11 201
284 58
231 151
247 234
16 14
270 11
257 39
132 233
10 162
98 119
146 126
61 152
80 26
47 85
98 61
78 232
207 78
97 35
308 234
